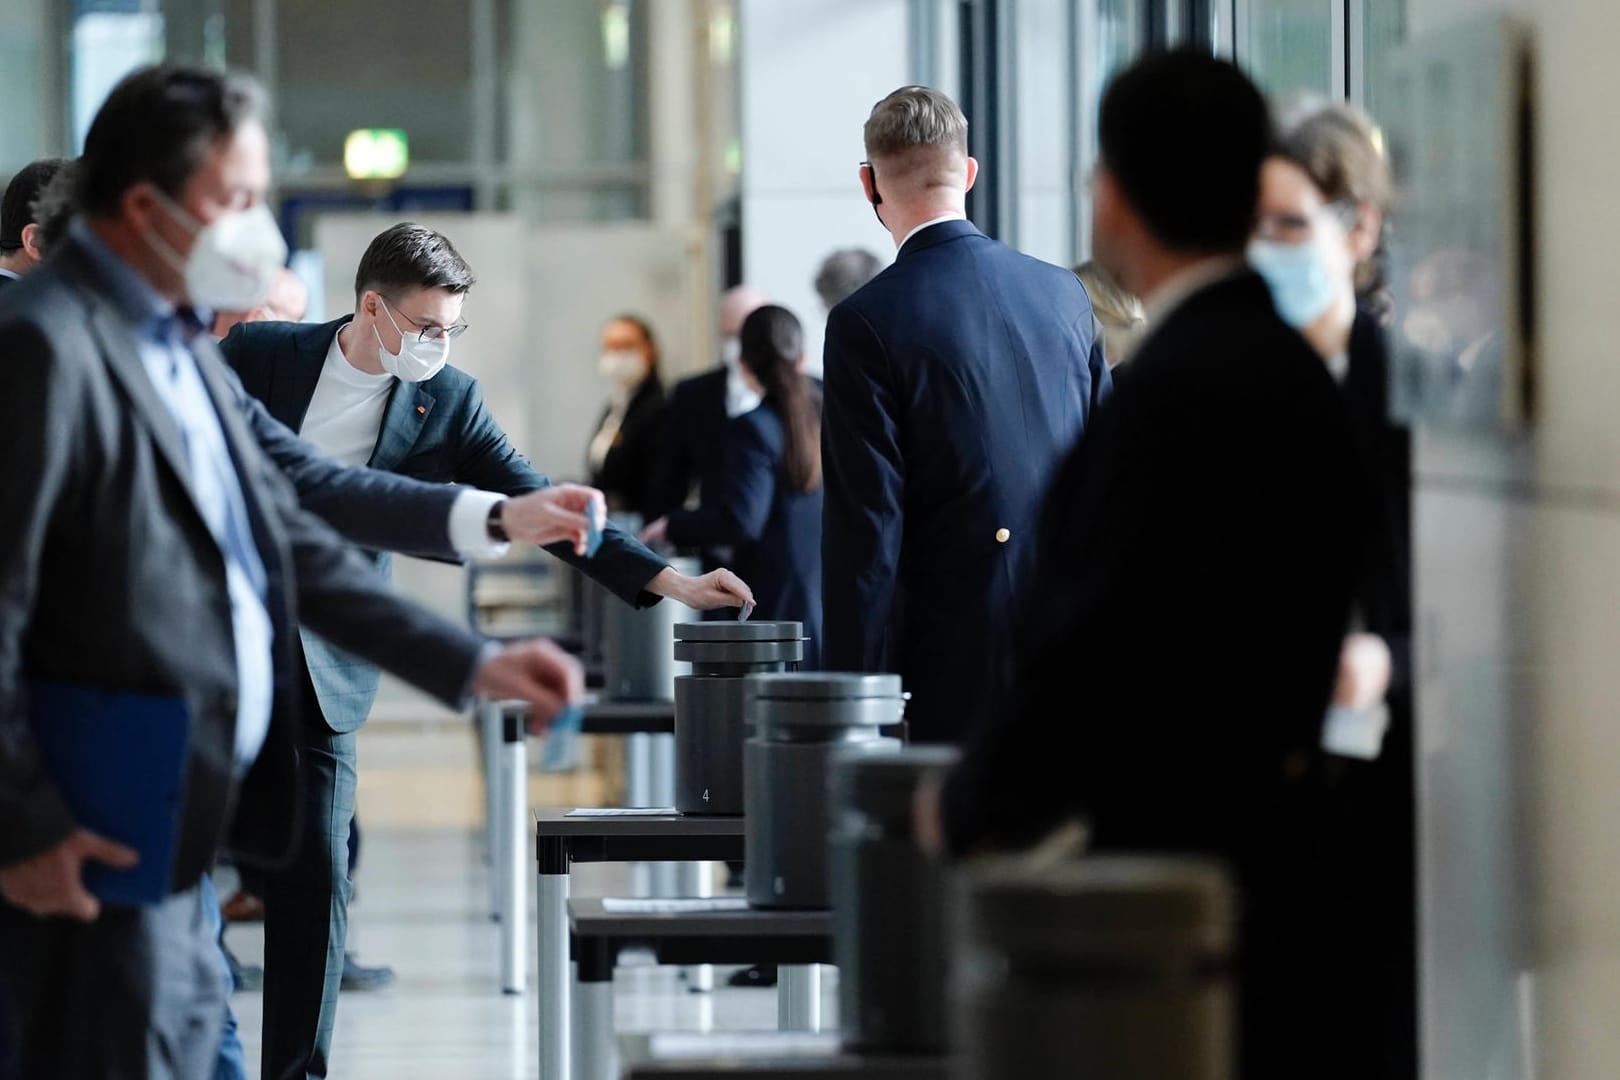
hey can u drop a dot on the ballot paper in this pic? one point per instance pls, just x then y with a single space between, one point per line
744 1045
1355 733
593 532
615 905
624 811
561 752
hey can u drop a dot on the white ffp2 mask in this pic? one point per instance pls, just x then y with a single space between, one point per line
417 360
234 259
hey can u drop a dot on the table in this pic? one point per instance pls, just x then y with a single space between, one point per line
690 932
650 765
561 841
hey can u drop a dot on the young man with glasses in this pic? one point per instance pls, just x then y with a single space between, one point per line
375 388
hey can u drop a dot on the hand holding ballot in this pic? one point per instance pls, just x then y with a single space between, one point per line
561 513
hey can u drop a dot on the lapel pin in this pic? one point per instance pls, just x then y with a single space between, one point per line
422 409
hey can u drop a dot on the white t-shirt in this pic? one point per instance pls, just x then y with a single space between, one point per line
345 416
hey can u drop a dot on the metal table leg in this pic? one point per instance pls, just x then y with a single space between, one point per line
596 1054
551 942
696 879
489 742
665 879
798 997
638 793
514 855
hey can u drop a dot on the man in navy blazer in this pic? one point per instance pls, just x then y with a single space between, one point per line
375 388
955 381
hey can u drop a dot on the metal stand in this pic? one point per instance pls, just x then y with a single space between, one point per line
665 879
638 792
696 879
513 858
488 718
595 1048
798 997
555 970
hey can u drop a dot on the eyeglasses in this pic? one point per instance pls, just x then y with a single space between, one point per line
1297 228
428 331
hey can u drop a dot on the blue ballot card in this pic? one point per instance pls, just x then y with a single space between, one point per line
561 750
593 533
119 762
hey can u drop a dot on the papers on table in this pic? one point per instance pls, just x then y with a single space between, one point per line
624 811
614 905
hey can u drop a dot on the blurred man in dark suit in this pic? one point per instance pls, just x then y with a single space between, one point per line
158 553
955 381
19 220
699 408
1193 581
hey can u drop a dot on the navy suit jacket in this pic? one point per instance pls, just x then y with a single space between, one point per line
440 431
775 530
955 381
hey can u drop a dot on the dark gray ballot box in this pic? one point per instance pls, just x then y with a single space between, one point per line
715 931
564 837
764 1055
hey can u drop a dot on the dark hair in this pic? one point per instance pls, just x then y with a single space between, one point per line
56 205
843 272
772 344
157 126
1337 146
647 335
17 207
1184 136
409 256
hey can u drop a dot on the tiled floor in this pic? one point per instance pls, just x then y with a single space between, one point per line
422 907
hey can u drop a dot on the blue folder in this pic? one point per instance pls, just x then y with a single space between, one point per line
119 762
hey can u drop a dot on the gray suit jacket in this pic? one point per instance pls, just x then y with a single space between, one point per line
110 578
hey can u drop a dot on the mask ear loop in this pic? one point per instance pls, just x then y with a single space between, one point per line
877 196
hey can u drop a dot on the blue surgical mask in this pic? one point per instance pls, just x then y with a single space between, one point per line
1301 286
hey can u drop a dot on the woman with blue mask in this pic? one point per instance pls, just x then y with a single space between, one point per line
1323 197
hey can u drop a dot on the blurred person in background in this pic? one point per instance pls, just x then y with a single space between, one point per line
623 455
19 217
843 272
1118 313
1324 195
693 458
55 207
769 506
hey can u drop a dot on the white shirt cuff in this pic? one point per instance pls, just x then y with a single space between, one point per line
469 525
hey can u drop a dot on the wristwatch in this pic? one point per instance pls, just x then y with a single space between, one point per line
495 526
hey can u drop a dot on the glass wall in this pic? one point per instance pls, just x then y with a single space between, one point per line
1289 45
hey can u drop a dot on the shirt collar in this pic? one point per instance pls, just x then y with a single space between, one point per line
131 292
12 274
1181 286
954 215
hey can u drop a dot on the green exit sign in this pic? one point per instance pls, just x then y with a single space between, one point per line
376 154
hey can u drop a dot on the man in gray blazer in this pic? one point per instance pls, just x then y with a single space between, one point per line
150 548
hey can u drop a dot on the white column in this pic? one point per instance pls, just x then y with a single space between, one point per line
811 72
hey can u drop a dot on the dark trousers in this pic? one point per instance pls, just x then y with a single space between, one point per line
139 994
306 913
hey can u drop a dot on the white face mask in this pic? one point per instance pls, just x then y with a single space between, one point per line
731 352
234 259
417 360
625 367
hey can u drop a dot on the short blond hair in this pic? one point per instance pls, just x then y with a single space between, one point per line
914 117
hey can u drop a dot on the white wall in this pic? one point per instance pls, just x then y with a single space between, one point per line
811 72
1519 631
